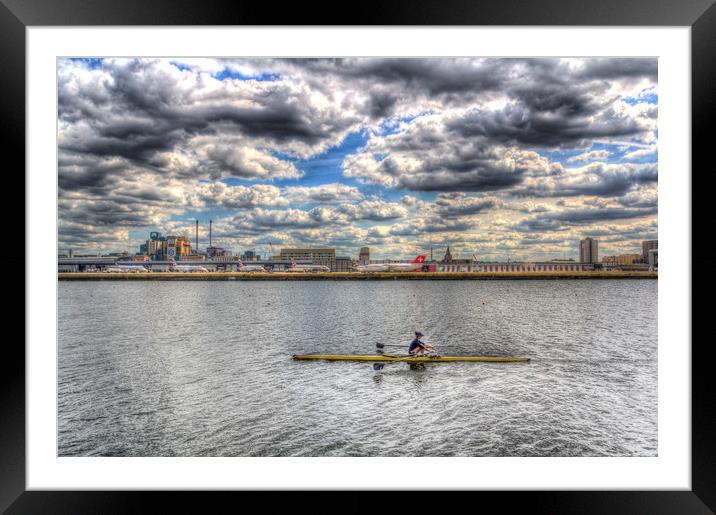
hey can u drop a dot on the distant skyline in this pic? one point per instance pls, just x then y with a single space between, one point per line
501 158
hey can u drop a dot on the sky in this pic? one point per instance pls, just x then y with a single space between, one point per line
498 158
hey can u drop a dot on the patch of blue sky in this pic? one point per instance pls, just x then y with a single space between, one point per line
143 234
617 152
646 98
326 168
233 181
190 216
92 63
227 73
392 124
183 67
561 155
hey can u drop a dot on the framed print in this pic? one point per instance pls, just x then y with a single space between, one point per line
249 217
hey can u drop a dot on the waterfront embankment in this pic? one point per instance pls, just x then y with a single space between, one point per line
341 276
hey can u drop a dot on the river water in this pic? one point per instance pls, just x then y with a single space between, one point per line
205 368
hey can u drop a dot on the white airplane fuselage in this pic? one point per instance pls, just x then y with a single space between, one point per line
251 268
125 268
371 268
189 268
309 268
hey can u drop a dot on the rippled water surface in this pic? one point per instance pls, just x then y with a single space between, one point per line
205 369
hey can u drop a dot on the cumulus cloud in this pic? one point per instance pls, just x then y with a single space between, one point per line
602 179
452 205
335 192
427 156
557 221
640 153
221 159
319 216
238 197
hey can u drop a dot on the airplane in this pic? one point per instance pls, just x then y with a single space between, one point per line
187 268
250 268
295 267
125 268
415 266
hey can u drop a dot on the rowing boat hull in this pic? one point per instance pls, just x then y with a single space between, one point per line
410 359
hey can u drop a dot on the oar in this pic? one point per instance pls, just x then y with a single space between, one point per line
383 345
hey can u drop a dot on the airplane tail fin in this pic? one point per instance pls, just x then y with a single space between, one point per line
419 259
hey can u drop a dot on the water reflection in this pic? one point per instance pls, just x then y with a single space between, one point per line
205 369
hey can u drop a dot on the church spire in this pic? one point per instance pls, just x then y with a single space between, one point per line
448 256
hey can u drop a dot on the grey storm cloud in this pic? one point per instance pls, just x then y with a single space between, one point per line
555 221
542 241
434 76
453 205
541 119
382 103
143 108
426 158
550 105
605 68
87 174
475 175
434 226
319 216
391 79
596 179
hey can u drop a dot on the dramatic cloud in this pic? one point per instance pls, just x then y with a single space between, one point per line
517 157
607 180
238 197
454 205
427 156
580 217
335 192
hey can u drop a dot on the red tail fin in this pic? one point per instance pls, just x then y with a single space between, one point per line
419 259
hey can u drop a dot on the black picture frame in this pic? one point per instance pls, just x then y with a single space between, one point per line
700 15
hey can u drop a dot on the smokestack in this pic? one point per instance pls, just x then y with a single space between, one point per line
209 233
197 235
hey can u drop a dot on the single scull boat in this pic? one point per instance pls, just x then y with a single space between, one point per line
409 359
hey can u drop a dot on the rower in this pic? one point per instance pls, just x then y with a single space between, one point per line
418 348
